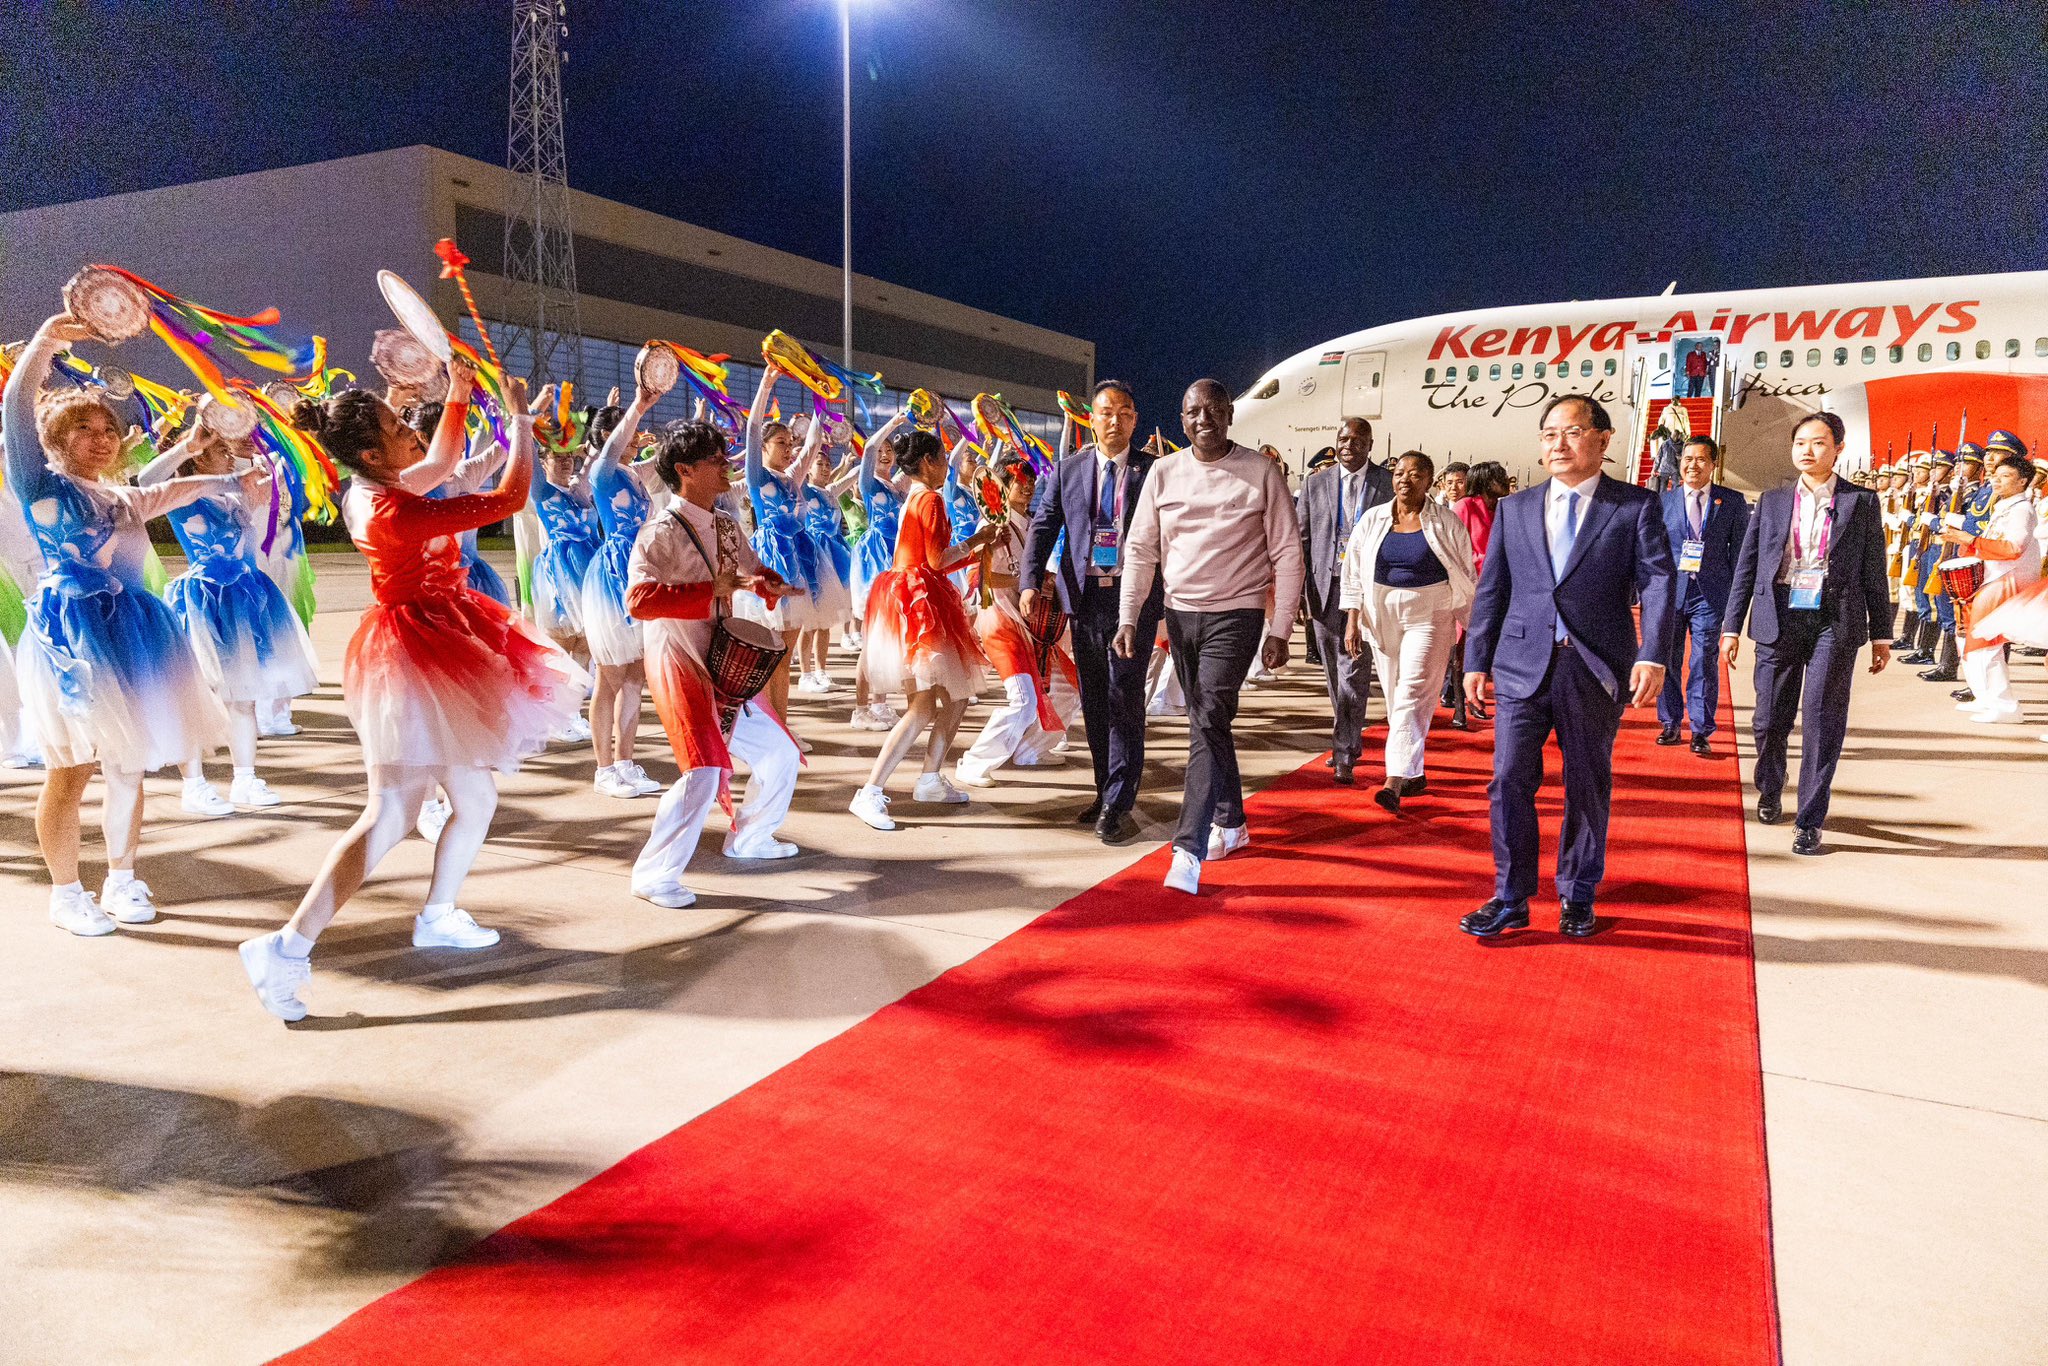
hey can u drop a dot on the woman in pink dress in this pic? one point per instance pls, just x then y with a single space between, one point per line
445 686
1486 483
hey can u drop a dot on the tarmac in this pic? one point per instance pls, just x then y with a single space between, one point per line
183 1178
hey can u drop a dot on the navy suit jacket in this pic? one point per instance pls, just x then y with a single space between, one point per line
1857 600
1066 502
1620 556
1727 520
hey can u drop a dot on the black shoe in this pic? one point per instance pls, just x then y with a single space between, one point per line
1702 746
1807 841
1939 674
1342 776
1575 918
1416 786
1090 813
1495 916
1116 827
1917 657
1669 736
1768 809
1330 761
1458 722
1963 695
1389 796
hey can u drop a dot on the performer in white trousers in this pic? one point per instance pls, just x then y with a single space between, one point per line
687 562
1405 585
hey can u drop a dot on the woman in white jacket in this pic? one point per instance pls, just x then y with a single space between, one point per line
1406 584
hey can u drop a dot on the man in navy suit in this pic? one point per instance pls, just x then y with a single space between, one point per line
1704 522
1554 629
1811 581
1092 497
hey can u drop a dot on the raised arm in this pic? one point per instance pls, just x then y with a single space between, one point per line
28 469
619 445
1067 425
450 435
869 475
757 418
171 461
467 512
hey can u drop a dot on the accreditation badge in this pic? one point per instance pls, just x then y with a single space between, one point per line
1103 555
1806 585
1689 556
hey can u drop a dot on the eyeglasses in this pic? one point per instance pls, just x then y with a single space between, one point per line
1550 436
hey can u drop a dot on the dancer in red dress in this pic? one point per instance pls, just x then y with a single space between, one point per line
919 640
444 685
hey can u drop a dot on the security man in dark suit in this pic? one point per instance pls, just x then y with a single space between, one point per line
1811 582
1091 497
1705 523
1329 505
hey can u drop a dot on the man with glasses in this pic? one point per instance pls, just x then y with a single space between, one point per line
1553 629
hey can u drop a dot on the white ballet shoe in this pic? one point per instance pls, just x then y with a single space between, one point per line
277 979
1185 875
452 929
75 912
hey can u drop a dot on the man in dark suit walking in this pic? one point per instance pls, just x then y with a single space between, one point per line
1554 629
1092 496
1811 581
1705 523
1329 505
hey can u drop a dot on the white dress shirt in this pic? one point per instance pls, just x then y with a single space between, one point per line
1811 509
1696 510
1560 503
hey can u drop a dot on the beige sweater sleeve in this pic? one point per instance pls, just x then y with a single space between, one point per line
1141 556
1283 543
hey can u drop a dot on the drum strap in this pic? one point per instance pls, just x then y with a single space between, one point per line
717 604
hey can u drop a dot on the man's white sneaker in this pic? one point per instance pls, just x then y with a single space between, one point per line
872 806
201 798
452 929
759 847
128 902
1227 840
637 779
277 979
609 782
972 777
673 895
252 792
1186 873
933 787
433 819
76 912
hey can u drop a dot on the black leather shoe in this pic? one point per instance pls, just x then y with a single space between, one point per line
1416 786
1963 695
1495 916
1917 657
1938 675
1116 827
1090 813
1807 841
1342 776
1669 736
1768 809
1389 796
1575 918
1702 746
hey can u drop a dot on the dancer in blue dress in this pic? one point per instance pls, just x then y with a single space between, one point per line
619 491
882 496
774 470
289 567
830 605
251 648
105 674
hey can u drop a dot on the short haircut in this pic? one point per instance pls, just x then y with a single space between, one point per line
2018 464
1116 384
1713 446
1210 386
1456 467
1010 467
1428 465
1359 420
1595 414
686 444
1832 421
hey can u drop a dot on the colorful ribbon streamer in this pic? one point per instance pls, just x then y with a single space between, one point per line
452 262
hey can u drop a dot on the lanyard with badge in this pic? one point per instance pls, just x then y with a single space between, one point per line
1107 546
1809 579
1346 525
1694 550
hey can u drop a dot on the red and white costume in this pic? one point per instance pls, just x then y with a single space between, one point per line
1031 725
917 632
668 590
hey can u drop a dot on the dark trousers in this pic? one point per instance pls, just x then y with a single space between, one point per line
1112 697
1348 680
1571 702
1804 675
1695 697
1213 651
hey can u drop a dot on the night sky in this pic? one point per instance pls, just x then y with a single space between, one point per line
1200 188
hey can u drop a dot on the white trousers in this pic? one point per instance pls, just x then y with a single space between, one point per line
1012 733
762 745
1419 633
1990 678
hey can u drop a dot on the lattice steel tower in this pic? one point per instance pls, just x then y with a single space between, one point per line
540 252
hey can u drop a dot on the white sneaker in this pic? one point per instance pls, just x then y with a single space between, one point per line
1991 716
609 782
433 819
864 719
452 929
812 685
871 804
673 895
203 799
252 792
276 730
1225 841
803 746
973 777
884 715
575 729
128 902
78 913
636 778
277 979
933 787
759 847
1186 873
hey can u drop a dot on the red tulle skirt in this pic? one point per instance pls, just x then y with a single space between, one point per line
918 636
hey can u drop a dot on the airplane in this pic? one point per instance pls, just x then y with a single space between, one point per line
1906 364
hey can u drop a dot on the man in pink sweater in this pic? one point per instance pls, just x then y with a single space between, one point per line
1216 523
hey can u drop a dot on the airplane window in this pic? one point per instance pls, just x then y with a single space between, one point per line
1266 390
1586 368
1813 355
1493 372
1870 355
1610 365
1540 364
1663 360
1375 379
1784 360
2041 346
1472 373
2012 347
1763 360
1955 350
1841 355
1895 354
1517 371
1429 375
1926 351
1984 349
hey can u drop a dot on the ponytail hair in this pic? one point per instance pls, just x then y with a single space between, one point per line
347 426
912 448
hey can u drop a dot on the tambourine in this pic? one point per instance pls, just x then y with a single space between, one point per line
405 362
232 422
992 415
657 369
924 409
838 431
116 382
112 307
415 315
282 394
794 359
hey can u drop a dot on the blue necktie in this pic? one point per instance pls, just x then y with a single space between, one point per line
1561 548
1105 514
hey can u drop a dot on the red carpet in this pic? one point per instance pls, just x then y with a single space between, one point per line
1301 1119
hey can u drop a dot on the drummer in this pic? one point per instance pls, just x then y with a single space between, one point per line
686 565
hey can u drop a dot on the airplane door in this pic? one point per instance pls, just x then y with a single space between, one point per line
1365 383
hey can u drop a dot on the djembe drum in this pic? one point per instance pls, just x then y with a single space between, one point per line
1961 577
743 657
1044 626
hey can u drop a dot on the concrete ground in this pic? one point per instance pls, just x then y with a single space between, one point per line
182 1178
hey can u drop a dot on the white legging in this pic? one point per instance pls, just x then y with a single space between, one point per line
1990 678
758 742
1418 633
